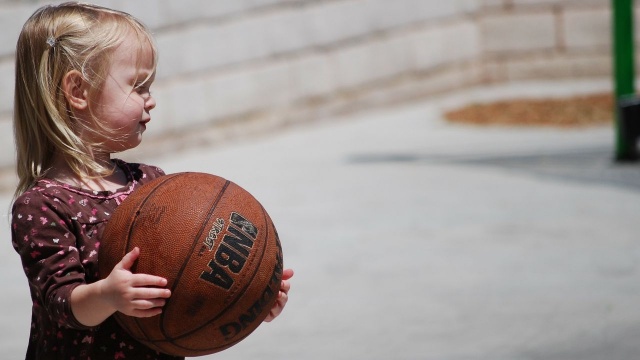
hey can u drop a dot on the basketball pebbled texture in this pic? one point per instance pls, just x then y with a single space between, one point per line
216 246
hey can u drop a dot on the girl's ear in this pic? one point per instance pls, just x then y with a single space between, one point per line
75 90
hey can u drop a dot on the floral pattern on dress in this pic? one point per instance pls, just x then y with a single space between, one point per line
56 230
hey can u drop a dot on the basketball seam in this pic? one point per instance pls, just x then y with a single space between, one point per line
221 313
193 246
207 351
165 178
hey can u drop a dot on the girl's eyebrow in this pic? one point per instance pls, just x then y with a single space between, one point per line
144 76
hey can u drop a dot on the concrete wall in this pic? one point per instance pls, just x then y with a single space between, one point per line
267 62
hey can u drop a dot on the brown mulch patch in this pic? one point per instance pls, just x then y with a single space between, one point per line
578 111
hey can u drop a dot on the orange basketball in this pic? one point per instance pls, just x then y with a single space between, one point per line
216 246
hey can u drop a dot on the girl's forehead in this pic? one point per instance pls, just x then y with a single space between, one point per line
134 51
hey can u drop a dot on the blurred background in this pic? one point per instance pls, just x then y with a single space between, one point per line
260 64
414 234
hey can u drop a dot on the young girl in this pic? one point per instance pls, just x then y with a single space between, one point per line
83 75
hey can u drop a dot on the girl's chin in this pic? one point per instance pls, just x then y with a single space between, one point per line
128 145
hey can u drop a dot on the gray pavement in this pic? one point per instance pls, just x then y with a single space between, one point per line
413 238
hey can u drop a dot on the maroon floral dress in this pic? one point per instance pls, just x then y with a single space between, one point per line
56 229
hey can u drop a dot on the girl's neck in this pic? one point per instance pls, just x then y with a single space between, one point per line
61 172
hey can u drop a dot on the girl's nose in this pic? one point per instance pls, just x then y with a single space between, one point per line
149 103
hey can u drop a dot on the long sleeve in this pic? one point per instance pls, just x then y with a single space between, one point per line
56 230
49 254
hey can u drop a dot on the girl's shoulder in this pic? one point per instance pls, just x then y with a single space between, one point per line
50 192
40 195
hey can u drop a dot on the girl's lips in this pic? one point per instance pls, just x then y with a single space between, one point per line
143 124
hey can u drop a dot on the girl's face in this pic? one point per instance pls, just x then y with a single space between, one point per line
125 101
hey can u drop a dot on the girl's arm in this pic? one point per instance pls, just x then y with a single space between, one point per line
139 295
47 246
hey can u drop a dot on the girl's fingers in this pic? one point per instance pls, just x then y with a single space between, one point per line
140 280
283 297
277 308
143 293
129 259
287 274
146 312
285 286
149 304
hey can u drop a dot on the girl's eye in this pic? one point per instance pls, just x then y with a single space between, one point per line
143 89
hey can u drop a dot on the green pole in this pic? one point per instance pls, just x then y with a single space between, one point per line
624 69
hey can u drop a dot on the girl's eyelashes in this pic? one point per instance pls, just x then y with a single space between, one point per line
143 88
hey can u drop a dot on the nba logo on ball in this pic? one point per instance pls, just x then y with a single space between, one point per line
216 246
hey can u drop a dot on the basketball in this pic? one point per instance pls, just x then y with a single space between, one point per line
216 246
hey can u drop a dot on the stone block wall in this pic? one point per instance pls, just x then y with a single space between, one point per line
264 63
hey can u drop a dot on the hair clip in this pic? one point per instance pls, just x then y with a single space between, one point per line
51 41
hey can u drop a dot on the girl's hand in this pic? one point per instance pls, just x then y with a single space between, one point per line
283 296
139 295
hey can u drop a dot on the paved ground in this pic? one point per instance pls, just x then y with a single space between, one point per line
416 239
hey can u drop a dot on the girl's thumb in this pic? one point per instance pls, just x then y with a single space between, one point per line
129 259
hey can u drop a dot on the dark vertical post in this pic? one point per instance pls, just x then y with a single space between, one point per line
624 71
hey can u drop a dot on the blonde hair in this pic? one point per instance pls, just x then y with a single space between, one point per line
57 39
